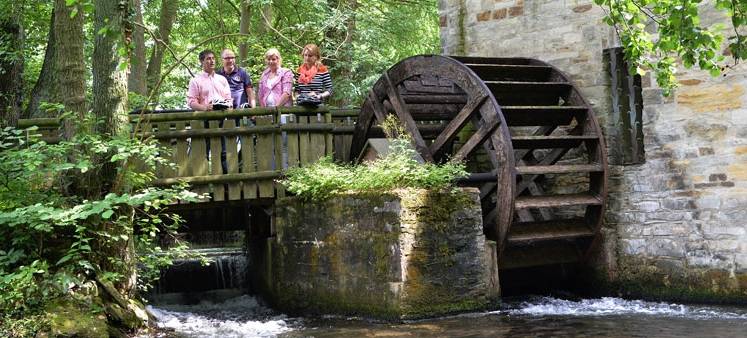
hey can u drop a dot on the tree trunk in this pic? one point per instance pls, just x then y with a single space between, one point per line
137 81
166 22
69 67
244 29
11 70
42 91
265 20
109 106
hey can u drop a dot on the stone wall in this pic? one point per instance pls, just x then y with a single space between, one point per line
405 254
678 221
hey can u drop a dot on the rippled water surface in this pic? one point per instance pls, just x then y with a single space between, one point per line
530 317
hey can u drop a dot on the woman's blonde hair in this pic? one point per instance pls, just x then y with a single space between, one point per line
313 50
276 52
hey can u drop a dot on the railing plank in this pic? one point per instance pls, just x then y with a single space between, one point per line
216 168
232 161
265 156
248 165
198 160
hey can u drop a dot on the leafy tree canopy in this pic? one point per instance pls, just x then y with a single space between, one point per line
657 33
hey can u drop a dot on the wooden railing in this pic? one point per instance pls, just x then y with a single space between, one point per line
237 154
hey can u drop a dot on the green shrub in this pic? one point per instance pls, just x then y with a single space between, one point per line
398 169
56 241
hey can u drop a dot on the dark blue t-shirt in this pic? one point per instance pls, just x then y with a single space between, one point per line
237 80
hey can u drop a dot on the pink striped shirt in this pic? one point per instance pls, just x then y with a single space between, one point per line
204 87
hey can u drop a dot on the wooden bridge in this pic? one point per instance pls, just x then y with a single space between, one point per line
530 140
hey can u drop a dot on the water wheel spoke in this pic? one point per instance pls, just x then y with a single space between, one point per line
457 123
404 116
486 128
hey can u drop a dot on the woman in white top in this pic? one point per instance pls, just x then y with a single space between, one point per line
276 83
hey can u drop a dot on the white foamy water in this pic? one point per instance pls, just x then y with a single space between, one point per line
548 306
237 317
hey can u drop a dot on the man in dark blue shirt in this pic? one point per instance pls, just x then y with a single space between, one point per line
241 84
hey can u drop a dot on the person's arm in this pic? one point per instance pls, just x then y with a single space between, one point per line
327 85
287 87
249 90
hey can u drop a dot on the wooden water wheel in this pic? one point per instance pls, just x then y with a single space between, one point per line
530 141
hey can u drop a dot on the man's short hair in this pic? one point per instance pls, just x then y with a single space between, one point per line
204 54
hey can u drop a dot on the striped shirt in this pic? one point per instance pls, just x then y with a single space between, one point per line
320 83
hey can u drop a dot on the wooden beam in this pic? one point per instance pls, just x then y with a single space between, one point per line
406 118
457 123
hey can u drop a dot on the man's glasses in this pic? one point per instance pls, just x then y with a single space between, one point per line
229 57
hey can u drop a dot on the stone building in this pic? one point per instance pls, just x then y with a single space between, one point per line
676 221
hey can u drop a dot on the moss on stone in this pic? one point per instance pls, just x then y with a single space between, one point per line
68 318
648 279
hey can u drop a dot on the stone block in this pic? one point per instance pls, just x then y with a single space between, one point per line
403 254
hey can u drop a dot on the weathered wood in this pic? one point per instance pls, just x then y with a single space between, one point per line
318 142
558 169
548 201
216 167
294 153
559 229
223 178
406 118
232 160
248 165
554 141
456 124
198 160
498 72
304 143
169 153
482 133
182 155
541 115
265 157
328 137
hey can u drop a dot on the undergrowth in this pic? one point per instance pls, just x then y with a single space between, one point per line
397 169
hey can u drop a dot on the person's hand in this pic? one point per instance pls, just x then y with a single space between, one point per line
209 107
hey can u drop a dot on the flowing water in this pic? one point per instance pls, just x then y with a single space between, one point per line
244 316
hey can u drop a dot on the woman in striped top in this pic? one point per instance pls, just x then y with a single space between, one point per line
312 77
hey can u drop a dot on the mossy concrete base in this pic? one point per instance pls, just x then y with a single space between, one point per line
68 318
667 280
394 255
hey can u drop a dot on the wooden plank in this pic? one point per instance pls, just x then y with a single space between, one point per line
530 73
565 200
404 116
265 156
558 169
541 115
482 133
281 150
304 143
248 165
456 124
182 155
317 140
294 154
216 168
561 229
329 149
232 161
164 170
551 141
198 160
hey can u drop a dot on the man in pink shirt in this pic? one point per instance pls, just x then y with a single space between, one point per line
208 86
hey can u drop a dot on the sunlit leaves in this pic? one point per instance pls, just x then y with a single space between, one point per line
679 35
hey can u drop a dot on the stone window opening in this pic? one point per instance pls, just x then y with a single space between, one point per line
625 123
